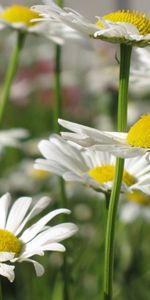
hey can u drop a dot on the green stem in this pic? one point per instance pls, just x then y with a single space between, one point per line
11 73
57 114
60 2
63 197
125 55
107 199
58 89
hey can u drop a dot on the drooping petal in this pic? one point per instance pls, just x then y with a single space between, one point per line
7 271
39 269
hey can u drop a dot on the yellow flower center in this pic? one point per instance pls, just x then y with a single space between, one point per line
19 14
141 22
9 242
105 173
39 174
138 197
139 133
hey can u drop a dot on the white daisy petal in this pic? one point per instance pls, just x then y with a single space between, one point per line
38 207
56 233
31 232
50 166
5 256
7 271
113 142
17 213
54 247
52 149
39 269
35 240
30 251
4 206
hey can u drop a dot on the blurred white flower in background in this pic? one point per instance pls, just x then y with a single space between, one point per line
12 137
137 206
140 71
23 178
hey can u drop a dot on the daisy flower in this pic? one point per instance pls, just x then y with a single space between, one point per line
18 17
123 26
134 143
92 168
22 18
137 206
11 137
18 244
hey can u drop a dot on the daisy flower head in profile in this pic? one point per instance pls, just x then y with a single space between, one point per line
18 244
122 26
23 19
18 17
134 143
94 169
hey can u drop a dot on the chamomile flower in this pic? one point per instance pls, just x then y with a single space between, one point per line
92 168
18 244
137 206
22 18
123 26
18 17
11 137
134 143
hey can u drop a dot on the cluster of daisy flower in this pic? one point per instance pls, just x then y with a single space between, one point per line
17 243
85 154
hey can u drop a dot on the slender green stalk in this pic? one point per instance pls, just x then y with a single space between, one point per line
57 114
58 89
125 55
107 199
60 2
11 73
63 197
58 109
